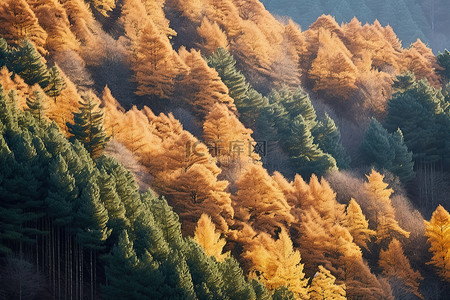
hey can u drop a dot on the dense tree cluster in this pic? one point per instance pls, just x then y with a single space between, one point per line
199 102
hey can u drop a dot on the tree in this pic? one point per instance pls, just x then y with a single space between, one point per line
357 225
225 135
88 126
323 286
124 273
387 151
328 137
56 83
306 157
92 218
157 64
18 22
201 88
443 60
248 101
381 210
206 236
332 71
134 20
403 164
29 64
260 202
438 232
278 264
395 264
54 20
36 106
213 37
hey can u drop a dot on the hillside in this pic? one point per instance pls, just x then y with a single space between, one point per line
410 19
204 149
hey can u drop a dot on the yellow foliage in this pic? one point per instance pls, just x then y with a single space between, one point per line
323 286
277 264
207 237
18 22
357 225
381 208
394 263
438 233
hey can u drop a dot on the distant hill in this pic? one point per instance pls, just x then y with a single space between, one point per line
410 19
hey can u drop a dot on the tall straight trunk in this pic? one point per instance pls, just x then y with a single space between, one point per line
92 275
58 242
76 270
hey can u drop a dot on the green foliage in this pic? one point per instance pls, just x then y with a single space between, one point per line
36 106
28 64
387 151
283 293
56 83
88 126
54 194
444 61
328 137
247 100
422 114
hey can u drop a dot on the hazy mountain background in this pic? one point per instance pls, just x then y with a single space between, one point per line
411 19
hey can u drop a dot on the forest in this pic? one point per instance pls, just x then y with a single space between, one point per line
209 149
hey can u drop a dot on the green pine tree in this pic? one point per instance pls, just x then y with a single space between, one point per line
247 100
403 164
443 61
92 218
36 106
306 156
29 64
56 83
235 285
88 126
328 137
283 293
376 146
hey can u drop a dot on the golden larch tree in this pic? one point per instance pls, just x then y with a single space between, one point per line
357 225
207 237
323 286
212 36
438 232
82 22
18 22
395 264
381 210
222 131
134 19
277 264
333 71
157 64
260 202
54 20
155 9
202 87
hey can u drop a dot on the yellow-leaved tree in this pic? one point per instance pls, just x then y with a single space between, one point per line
395 264
206 236
357 225
157 65
323 286
438 233
260 202
18 22
381 209
277 264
